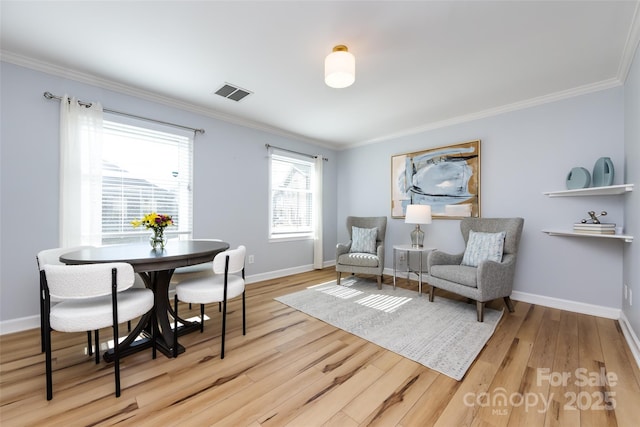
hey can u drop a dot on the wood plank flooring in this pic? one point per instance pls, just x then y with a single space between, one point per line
542 367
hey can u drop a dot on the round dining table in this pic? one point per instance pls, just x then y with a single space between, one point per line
155 267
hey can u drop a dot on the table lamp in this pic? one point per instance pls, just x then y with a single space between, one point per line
417 214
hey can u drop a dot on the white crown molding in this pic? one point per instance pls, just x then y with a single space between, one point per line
533 102
630 46
89 79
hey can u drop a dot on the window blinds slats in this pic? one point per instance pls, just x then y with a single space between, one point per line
144 171
291 196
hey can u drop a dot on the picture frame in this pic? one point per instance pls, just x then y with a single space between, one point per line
447 178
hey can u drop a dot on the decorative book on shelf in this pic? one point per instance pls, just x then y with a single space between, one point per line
603 228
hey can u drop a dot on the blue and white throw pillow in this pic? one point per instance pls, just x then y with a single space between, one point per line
483 247
363 240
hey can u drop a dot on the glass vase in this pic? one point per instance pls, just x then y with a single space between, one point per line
157 239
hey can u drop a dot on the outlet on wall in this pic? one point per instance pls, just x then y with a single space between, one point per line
630 297
250 259
626 288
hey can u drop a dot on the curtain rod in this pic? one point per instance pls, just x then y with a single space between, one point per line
295 152
49 95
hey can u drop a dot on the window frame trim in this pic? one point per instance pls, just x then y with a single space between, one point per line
290 236
119 120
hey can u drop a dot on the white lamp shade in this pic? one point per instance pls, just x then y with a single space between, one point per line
339 68
418 214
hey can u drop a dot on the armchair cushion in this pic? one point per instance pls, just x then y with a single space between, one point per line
461 274
483 247
359 260
363 240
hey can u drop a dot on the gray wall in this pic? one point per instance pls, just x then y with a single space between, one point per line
524 153
632 208
230 183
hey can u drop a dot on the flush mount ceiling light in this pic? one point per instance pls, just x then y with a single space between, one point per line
340 68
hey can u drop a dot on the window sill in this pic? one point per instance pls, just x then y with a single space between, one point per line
289 238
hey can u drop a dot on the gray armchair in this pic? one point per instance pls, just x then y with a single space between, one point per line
371 262
490 279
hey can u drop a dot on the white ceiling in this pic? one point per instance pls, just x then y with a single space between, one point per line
419 64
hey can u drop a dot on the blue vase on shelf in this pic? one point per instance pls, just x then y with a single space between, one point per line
603 172
578 177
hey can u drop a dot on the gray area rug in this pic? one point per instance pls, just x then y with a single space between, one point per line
442 335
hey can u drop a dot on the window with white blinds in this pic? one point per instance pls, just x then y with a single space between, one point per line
145 170
291 198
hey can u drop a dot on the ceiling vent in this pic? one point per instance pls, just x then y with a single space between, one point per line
232 92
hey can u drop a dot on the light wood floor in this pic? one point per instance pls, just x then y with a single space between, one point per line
291 369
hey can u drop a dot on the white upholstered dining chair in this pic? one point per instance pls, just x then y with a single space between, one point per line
52 257
91 297
193 271
226 282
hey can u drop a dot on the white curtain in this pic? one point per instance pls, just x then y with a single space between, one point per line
80 173
317 214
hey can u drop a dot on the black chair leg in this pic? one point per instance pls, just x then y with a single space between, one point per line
224 327
244 317
114 323
47 350
89 346
201 318
175 326
42 325
97 350
116 358
154 334
154 337
219 307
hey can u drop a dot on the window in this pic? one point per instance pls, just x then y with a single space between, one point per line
145 170
291 199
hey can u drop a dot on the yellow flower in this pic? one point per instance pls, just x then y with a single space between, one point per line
153 220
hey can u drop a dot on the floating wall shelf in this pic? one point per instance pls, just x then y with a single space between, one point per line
610 190
624 237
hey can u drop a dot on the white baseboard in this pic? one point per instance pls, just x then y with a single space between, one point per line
631 337
562 304
568 305
18 325
277 273
32 322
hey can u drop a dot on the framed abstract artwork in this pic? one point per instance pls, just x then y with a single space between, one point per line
446 178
